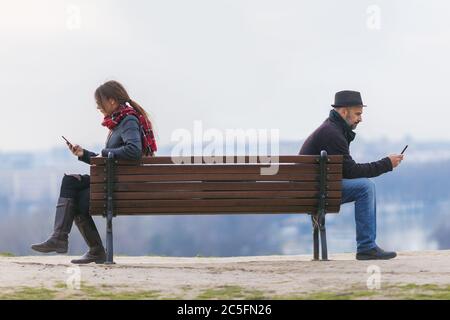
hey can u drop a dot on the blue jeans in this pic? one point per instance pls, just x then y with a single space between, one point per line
362 192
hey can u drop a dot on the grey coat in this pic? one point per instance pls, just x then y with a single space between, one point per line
124 142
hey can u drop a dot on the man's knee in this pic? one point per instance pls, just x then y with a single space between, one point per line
367 186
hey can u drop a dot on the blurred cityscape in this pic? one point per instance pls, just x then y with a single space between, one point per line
413 209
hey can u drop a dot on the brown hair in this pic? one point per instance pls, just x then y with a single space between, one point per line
114 90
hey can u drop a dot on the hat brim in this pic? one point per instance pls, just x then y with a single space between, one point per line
339 106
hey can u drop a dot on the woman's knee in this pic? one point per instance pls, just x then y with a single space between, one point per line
69 185
70 180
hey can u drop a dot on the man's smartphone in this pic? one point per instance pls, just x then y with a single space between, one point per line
67 141
404 149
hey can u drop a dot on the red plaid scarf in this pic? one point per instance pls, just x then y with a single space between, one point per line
147 136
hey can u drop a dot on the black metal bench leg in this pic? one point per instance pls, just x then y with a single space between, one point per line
109 240
323 238
109 209
315 237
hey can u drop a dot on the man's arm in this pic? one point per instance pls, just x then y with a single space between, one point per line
352 170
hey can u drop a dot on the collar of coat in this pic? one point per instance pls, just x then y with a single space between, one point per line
336 118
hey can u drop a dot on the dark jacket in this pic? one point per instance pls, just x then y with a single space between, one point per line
124 142
334 136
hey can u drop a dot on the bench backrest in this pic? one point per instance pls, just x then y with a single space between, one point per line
157 185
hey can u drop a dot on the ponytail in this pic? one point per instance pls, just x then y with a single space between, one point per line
147 128
140 110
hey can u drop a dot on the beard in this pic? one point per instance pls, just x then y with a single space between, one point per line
350 124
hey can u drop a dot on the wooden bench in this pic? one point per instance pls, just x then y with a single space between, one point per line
164 186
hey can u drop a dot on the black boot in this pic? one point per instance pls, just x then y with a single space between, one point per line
58 242
88 230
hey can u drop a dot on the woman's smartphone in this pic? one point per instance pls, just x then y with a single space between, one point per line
67 141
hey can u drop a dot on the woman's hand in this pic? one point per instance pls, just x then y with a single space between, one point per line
76 150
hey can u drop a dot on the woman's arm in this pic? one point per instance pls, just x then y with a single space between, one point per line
86 157
131 137
82 154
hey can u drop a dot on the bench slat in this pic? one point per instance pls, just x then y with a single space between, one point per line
215 177
215 186
214 168
221 159
213 195
212 203
215 210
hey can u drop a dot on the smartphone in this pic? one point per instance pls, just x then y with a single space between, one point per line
66 140
404 149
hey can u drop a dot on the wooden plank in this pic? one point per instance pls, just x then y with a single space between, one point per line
215 168
215 177
214 210
220 159
197 203
214 195
215 186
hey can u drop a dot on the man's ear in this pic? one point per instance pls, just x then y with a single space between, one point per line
345 111
340 111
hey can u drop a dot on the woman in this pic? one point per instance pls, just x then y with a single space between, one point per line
130 137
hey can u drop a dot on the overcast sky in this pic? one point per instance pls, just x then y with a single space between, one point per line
230 63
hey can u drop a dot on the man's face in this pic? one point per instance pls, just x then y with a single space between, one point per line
353 116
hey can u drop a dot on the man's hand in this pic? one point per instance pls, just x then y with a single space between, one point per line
76 150
395 159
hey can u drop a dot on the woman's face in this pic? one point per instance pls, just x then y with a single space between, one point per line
107 107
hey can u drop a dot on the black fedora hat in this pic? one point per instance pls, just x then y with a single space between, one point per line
348 98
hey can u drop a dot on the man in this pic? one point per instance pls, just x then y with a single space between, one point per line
334 136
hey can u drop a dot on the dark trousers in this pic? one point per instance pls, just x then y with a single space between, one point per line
76 186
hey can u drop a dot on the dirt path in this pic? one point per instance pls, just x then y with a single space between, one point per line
410 275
